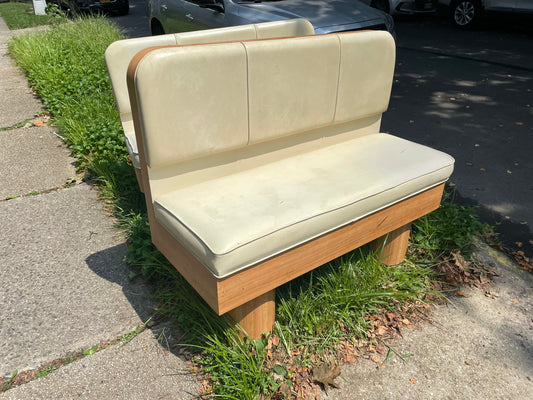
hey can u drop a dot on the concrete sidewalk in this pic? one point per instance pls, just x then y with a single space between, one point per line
64 288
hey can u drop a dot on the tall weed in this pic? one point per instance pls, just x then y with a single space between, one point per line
65 66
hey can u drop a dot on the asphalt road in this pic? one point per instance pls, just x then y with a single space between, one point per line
468 93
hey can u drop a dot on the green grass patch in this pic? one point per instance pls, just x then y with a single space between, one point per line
21 15
65 66
318 315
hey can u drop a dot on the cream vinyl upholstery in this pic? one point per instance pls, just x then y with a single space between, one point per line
255 147
119 54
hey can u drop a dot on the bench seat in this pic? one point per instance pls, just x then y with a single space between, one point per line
240 219
263 160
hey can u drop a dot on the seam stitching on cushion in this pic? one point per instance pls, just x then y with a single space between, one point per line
338 80
247 89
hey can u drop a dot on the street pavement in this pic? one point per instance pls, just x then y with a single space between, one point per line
64 288
470 94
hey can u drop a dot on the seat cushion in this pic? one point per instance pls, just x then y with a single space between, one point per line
235 221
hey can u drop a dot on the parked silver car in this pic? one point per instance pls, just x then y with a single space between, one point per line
465 13
395 7
170 16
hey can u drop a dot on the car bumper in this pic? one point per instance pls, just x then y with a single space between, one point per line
101 5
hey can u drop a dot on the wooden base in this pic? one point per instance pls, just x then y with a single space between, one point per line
257 316
393 246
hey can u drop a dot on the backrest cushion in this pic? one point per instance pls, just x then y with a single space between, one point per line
198 100
292 85
119 54
266 30
366 74
192 100
284 28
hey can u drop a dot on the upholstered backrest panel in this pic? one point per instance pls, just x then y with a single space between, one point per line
292 84
118 56
192 101
291 27
366 74
199 100
235 33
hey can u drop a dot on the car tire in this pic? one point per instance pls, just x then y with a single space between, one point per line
465 13
156 28
382 5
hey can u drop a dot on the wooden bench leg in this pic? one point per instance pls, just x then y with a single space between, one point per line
257 316
393 245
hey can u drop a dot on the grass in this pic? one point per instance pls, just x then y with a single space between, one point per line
21 15
319 315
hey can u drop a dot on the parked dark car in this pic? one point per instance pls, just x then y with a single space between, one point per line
73 7
170 16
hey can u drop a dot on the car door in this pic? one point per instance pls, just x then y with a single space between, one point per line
204 14
171 15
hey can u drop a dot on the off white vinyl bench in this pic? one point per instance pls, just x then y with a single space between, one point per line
262 160
119 54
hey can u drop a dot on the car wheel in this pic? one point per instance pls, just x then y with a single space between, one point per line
382 5
156 28
465 13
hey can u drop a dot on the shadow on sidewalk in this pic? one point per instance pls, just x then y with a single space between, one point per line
109 264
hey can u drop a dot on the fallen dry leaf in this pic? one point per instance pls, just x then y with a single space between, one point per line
381 349
376 358
350 358
460 261
459 293
382 330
